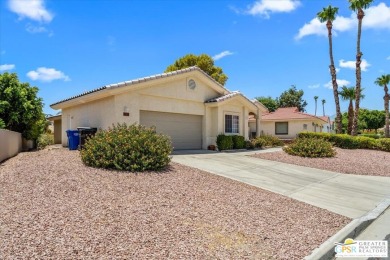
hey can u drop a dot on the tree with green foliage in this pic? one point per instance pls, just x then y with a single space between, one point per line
268 102
373 119
328 15
292 98
204 62
383 81
315 100
20 108
358 6
349 94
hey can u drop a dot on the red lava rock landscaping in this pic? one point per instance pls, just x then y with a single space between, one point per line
359 161
52 206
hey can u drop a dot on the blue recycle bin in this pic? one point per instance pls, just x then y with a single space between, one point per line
73 139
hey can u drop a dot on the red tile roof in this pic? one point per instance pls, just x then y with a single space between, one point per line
288 113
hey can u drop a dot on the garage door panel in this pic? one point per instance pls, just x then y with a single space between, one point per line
185 130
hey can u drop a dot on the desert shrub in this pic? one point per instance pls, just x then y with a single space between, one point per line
238 142
271 140
129 148
45 140
383 144
259 142
310 147
224 142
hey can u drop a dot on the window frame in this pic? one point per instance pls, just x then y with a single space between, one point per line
233 126
284 133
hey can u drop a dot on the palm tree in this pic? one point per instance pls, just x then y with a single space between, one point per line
315 100
383 81
328 15
323 106
358 6
349 94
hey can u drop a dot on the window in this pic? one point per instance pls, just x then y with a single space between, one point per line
304 126
281 128
231 124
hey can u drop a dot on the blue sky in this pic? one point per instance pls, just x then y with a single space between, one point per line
265 46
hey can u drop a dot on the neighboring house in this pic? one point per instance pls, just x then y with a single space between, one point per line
188 105
287 122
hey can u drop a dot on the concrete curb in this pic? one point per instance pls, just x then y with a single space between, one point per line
352 230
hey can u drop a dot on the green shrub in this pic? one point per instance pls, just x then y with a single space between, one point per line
310 147
44 140
224 142
383 144
129 148
238 142
271 140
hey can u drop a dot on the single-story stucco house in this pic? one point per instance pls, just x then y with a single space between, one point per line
287 122
188 105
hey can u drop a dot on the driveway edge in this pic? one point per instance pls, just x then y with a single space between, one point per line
352 230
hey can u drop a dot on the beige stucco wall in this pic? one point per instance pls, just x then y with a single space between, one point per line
100 114
294 127
10 144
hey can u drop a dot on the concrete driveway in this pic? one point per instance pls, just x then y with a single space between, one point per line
345 194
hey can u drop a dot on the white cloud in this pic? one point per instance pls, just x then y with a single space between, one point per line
32 9
376 17
314 27
222 54
265 7
337 69
352 64
340 82
47 74
314 86
5 67
35 29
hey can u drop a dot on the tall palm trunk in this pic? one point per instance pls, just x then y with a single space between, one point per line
323 109
358 73
334 81
315 111
350 117
386 98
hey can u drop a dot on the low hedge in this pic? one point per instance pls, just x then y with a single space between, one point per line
350 142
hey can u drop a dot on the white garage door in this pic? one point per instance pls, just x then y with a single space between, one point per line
184 130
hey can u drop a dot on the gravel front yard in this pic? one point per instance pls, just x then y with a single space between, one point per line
52 206
359 161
